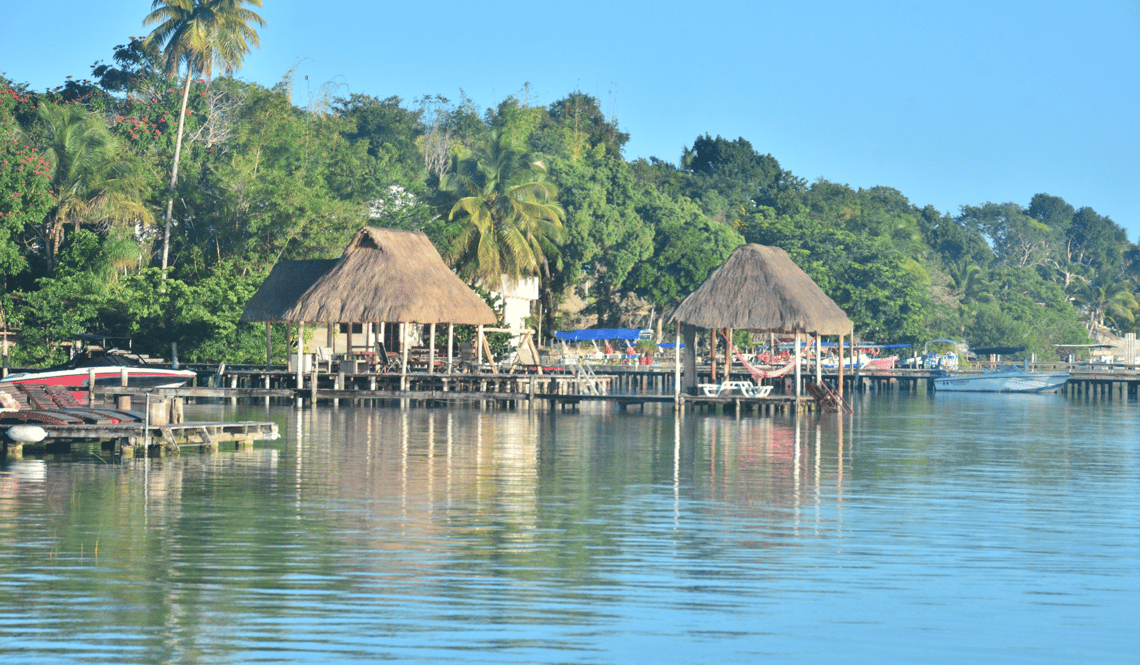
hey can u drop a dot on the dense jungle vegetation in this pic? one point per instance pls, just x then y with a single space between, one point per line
87 198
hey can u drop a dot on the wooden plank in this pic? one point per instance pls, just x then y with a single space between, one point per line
168 436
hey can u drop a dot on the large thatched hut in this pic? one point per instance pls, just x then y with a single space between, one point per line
759 289
391 276
384 276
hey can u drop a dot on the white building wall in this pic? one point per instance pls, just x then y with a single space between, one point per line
518 297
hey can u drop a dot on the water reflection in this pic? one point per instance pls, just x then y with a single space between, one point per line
469 535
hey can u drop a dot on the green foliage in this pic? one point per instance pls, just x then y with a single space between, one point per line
575 128
518 189
270 195
1017 238
884 292
504 209
388 129
26 194
687 246
606 237
96 181
514 121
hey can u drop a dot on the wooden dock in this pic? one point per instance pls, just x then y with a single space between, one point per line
510 391
49 418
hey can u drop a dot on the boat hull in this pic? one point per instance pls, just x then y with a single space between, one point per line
77 380
1003 382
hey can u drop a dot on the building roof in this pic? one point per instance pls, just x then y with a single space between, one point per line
760 288
285 284
384 275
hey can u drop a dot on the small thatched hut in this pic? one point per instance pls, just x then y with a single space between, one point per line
760 289
384 276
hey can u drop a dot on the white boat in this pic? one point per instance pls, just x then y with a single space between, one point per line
1002 380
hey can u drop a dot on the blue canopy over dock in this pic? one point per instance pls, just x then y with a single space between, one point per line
602 333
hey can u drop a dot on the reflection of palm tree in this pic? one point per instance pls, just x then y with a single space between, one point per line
199 33
93 184
1107 297
970 283
513 222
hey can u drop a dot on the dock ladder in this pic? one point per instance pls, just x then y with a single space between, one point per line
588 382
827 398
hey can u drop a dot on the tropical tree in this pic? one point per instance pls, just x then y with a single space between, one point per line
969 282
26 194
1107 297
199 34
510 220
606 238
94 181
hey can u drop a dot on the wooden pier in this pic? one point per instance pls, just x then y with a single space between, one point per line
623 385
561 391
625 388
49 418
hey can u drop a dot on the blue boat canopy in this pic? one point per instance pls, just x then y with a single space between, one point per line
602 333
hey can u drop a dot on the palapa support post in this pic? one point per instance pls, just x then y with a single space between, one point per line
798 370
268 345
689 335
727 353
840 391
300 356
91 387
479 349
404 351
450 347
712 354
431 351
677 366
818 359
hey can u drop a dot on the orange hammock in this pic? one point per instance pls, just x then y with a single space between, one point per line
760 374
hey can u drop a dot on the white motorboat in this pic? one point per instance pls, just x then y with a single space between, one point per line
1008 379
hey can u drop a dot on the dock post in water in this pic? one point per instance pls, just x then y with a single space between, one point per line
123 402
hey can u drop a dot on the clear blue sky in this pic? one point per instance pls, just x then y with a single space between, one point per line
950 103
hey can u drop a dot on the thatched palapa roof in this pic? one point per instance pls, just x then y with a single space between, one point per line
286 282
760 289
387 276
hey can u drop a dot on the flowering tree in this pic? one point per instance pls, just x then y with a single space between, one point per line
26 194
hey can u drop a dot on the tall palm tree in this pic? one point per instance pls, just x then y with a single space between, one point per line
94 184
513 222
199 34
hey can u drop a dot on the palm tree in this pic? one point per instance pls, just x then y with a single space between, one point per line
199 33
970 282
1107 297
94 184
513 221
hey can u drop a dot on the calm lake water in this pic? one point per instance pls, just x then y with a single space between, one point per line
923 529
